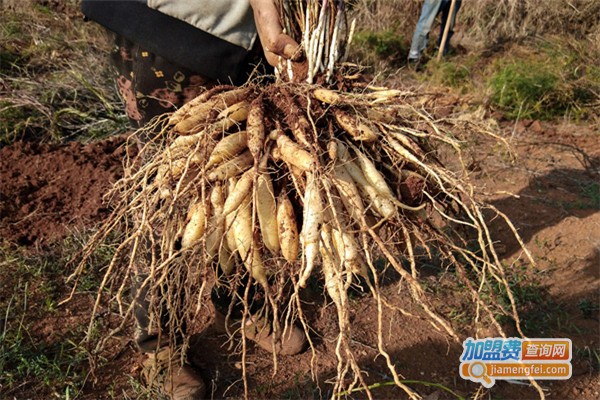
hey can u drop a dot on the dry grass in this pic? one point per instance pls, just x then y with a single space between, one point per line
494 21
56 80
488 22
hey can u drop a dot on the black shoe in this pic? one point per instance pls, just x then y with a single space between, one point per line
415 64
448 50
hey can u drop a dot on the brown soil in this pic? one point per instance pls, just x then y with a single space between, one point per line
49 191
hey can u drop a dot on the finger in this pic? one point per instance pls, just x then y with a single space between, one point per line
284 46
273 59
289 48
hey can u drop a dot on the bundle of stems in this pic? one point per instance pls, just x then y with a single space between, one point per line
321 27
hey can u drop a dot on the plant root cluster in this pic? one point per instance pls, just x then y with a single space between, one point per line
271 187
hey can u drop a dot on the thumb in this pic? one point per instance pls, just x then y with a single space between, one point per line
291 49
286 47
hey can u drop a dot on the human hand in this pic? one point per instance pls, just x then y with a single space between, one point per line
275 43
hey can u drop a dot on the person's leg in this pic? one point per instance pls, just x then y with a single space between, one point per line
151 85
147 341
162 367
419 42
229 309
445 11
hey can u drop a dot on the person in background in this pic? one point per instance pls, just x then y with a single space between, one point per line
431 9
166 53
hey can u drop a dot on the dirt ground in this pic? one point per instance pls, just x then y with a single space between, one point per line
550 194
49 190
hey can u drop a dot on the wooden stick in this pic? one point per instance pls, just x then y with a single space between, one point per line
446 30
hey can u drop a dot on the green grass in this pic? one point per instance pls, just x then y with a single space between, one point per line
385 44
589 309
588 199
28 295
591 193
384 49
454 73
303 387
408 382
553 80
526 89
33 360
539 313
57 367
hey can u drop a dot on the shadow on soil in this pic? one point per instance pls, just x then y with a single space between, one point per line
553 197
431 369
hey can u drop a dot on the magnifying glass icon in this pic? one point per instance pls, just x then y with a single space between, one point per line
478 370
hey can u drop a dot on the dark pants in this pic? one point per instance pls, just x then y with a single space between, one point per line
430 10
224 300
151 85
